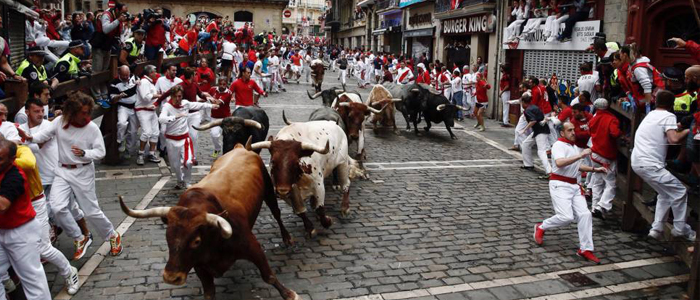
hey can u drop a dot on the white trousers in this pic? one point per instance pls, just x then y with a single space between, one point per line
18 248
471 100
541 141
150 128
277 83
307 73
570 206
127 123
505 97
73 207
513 28
532 25
519 138
603 184
193 119
343 76
216 133
672 195
551 26
80 181
176 152
46 250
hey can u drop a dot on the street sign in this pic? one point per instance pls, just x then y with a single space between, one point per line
287 13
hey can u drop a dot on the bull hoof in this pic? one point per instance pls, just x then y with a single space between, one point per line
288 242
454 137
312 234
326 222
426 129
345 212
292 296
336 187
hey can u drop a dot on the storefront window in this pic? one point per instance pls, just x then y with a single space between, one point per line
682 26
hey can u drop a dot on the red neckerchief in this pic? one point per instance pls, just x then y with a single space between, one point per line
587 73
173 104
172 79
561 139
76 124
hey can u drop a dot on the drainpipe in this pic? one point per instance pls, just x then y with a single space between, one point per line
500 57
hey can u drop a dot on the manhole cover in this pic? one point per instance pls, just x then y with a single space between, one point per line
577 279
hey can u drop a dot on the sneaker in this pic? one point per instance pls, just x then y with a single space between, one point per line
81 247
215 154
655 234
103 103
481 128
539 234
690 236
72 281
122 147
588 255
598 214
115 242
476 125
139 160
154 158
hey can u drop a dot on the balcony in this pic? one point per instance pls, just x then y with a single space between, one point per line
389 4
446 5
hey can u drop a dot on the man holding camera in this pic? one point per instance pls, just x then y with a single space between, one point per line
106 38
156 36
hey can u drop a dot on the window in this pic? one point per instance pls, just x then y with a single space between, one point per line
86 6
683 26
243 16
78 5
99 5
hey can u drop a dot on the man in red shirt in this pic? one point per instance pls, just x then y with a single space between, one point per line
296 65
504 94
155 35
205 76
224 96
243 88
604 130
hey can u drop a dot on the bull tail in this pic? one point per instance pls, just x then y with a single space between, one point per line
356 170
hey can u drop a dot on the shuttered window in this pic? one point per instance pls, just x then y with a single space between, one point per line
15 30
542 63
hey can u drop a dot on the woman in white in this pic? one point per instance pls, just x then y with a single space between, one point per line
145 109
179 144
551 26
522 12
237 59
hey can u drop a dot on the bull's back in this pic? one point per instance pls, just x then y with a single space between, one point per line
317 133
236 179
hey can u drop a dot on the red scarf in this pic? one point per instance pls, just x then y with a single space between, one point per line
562 139
173 104
76 124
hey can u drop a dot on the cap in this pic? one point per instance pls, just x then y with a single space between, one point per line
600 103
75 44
673 73
421 65
456 70
35 50
140 30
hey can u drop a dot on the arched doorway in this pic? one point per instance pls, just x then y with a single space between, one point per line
667 19
241 17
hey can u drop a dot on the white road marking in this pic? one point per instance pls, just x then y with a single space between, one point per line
544 276
97 258
618 288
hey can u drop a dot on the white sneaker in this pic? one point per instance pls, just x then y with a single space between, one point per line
72 281
690 236
657 235
139 160
122 147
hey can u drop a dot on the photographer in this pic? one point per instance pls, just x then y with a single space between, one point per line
690 46
155 29
105 39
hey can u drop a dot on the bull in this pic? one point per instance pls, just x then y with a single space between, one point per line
405 92
321 114
244 123
327 96
317 72
353 113
436 109
212 224
302 155
381 98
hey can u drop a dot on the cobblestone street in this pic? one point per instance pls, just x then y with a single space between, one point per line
437 219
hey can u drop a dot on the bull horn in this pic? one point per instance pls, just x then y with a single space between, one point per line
396 99
285 119
461 107
208 125
221 223
142 214
314 96
377 111
415 90
344 104
247 143
441 107
252 123
309 146
261 145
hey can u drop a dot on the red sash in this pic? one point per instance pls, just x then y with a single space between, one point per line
189 148
554 176
403 76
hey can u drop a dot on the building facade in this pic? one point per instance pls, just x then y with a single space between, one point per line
304 17
419 29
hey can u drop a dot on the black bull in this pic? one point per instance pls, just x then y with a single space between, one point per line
327 96
434 108
243 123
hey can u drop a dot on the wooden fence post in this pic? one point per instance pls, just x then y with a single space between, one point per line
109 125
19 91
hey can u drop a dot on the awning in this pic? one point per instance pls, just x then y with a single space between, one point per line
379 31
419 32
20 8
365 3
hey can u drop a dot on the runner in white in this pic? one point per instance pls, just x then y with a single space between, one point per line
147 95
405 75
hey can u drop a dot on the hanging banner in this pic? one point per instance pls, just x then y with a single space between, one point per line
581 38
404 3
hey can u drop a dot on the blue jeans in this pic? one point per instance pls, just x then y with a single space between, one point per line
457 100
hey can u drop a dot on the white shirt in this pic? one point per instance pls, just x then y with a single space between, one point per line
47 155
178 125
163 84
88 138
587 83
258 66
563 150
9 131
273 64
228 48
650 142
407 78
145 92
456 84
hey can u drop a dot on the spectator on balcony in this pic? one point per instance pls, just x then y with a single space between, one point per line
580 14
156 37
522 13
81 31
105 38
552 24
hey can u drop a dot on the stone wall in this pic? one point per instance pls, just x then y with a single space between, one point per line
615 20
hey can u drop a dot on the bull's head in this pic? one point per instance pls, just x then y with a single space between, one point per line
286 165
190 234
327 96
235 130
353 115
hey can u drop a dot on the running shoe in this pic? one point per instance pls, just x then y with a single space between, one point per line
115 242
72 281
539 234
588 255
81 247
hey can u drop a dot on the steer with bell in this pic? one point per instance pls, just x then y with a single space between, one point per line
303 154
212 224
244 123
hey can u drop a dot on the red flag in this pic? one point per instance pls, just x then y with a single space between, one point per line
455 3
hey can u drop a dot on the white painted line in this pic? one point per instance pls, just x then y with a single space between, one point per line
97 258
618 288
499 147
441 167
523 279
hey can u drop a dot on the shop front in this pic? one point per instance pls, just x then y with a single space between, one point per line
390 31
419 31
466 37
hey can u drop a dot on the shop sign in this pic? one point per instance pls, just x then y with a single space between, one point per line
484 23
581 38
404 3
417 19
419 32
391 20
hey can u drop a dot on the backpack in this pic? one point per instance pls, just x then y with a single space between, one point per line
657 82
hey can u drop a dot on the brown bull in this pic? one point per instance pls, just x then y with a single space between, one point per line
380 98
353 113
211 225
317 72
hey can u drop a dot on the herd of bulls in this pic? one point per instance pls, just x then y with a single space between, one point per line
212 224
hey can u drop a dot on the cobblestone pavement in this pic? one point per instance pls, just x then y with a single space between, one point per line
438 219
